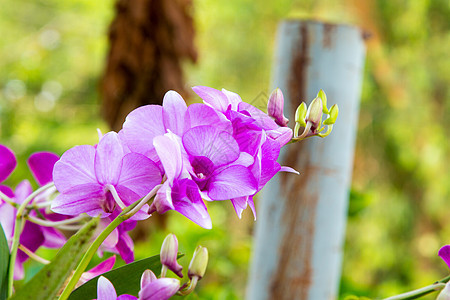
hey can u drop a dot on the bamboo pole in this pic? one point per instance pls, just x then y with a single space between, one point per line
300 234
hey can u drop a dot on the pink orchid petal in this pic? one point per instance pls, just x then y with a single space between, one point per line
160 289
289 169
169 153
187 201
261 119
126 297
214 98
41 166
77 164
7 162
233 99
232 182
7 219
113 237
239 204
7 191
444 253
125 247
108 159
99 269
53 238
199 114
23 190
105 289
282 135
174 109
141 126
147 277
82 198
218 146
163 199
139 174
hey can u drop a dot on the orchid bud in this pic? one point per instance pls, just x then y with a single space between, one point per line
160 289
314 113
169 254
334 111
321 94
445 293
275 107
198 264
300 114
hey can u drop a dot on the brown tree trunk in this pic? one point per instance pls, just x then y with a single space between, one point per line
148 41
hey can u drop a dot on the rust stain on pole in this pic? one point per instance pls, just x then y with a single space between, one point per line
328 32
293 276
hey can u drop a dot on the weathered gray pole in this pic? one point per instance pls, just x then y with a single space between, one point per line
301 218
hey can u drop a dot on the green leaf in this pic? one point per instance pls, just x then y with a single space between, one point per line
49 280
4 261
126 279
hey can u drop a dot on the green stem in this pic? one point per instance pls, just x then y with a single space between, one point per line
18 227
8 200
437 286
93 249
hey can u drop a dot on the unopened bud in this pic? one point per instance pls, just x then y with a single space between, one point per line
334 111
198 264
314 113
169 254
275 107
300 114
321 94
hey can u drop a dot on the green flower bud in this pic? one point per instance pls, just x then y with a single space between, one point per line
334 111
314 113
198 264
300 114
321 94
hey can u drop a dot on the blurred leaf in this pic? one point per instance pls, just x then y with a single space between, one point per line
126 279
46 284
4 261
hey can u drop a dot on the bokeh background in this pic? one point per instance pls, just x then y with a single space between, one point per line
53 55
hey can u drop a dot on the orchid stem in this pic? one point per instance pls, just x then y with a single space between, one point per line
144 200
190 288
33 255
56 223
437 286
8 200
18 227
123 216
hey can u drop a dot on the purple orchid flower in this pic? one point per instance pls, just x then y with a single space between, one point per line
139 129
152 288
33 236
95 180
256 133
179 192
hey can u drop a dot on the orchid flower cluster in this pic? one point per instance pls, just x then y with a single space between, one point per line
169 157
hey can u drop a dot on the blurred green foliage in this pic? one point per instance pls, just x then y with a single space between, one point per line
52 55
